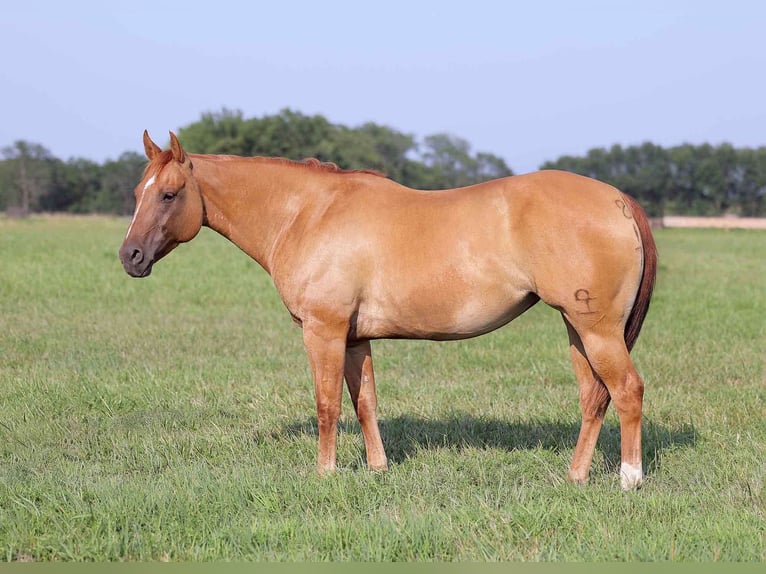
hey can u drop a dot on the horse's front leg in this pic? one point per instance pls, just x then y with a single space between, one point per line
326 348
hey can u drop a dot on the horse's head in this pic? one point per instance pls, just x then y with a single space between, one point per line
168 208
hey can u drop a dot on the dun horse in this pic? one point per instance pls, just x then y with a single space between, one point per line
356 257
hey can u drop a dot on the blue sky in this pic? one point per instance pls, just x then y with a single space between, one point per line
529 81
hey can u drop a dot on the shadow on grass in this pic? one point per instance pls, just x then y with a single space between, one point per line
404 436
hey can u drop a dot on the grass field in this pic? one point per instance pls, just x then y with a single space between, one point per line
172 418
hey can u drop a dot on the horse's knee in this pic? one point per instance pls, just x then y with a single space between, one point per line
328 413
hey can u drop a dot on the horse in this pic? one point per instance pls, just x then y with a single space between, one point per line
357 257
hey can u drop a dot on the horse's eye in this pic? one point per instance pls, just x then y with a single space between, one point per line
168 196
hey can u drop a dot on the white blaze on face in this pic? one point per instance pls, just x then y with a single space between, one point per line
149 183
631 475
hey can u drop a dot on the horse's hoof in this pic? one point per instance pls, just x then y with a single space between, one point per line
577 477
631 476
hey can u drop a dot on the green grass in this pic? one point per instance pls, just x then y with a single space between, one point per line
172 418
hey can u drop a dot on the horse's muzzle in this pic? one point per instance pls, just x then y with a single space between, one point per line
134 261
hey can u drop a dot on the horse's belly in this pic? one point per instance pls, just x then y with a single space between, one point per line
440 315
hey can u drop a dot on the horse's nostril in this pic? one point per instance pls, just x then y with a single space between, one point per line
136 256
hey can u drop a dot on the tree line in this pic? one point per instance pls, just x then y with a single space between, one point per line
687 179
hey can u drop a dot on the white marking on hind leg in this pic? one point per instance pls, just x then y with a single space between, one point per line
631 475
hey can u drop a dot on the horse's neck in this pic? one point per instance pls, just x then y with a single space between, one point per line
249 201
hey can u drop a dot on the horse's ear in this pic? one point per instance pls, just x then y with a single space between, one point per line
151 148
175 146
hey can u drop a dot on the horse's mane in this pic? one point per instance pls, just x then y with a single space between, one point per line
329 166
166 156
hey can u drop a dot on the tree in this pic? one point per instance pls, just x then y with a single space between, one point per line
647 176
453 164
450 158
118 179
489 166
443 161
393 150
685 174
751 199
219 132
73 186
294 135
31 168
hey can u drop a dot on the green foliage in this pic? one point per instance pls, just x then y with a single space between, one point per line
118 178
685 179
453 165
172 418
31 180
29 171
445 161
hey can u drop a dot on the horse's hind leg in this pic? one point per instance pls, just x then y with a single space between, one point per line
594 400
608 357
360 380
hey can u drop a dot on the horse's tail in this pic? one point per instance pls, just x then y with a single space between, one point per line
646 287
